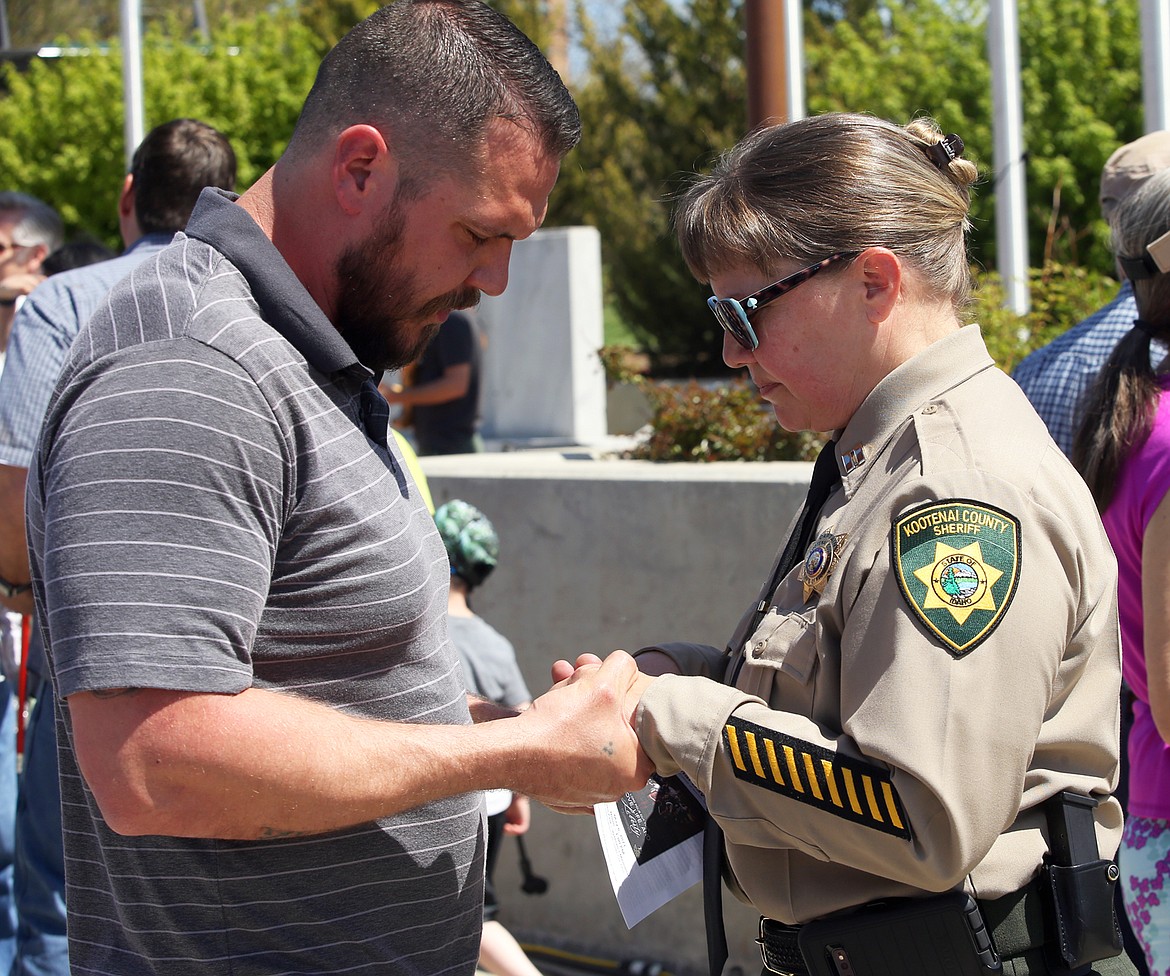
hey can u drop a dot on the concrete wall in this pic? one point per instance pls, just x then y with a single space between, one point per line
542 378
603 554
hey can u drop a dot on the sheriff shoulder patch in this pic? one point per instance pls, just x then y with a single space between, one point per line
957 563
848 788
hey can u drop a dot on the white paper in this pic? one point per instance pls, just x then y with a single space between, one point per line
653 844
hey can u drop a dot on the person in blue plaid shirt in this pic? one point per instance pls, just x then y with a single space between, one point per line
1056 376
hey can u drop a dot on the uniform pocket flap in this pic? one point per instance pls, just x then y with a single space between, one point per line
785 642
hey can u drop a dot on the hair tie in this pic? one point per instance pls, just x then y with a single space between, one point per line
1139 268
942 154
1147 328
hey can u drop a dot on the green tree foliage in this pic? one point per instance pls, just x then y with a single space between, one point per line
328 20
1062 294
1080 66
658 103
61 123
905 60
660 99
668 94
33 23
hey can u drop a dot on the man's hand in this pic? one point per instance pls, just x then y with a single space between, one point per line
18 284
13 548
584 722
650 665
518 816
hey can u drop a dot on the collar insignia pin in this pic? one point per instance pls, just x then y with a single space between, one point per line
819 561
853 459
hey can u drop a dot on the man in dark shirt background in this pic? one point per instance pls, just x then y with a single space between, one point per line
443 397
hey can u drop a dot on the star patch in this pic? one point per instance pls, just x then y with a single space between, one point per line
819 561
957 563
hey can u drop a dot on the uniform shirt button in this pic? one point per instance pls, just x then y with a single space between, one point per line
758 649
929 409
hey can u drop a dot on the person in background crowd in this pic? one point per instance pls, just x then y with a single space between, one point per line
76 254
268 758
1123 450
873 744
442 399
490 670
30 230
1057 376
169 169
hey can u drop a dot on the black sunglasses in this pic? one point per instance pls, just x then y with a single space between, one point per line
733 314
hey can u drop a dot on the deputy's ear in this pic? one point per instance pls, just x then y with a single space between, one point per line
363 168
881 273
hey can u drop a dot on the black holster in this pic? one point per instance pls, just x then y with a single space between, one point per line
1079 887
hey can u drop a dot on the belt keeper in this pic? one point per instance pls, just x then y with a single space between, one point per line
779 949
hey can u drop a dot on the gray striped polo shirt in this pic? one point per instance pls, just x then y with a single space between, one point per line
214 507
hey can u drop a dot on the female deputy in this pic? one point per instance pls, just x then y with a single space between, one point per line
1123 449
942 656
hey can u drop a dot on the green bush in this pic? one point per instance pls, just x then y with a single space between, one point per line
729 421
1062 295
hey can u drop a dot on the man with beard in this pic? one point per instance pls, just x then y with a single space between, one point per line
268 759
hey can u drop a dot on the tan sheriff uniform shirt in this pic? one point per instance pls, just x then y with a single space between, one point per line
895 733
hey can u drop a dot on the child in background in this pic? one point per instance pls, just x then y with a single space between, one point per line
490 671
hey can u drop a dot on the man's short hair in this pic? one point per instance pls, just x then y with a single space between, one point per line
431 75
35 222
1130 166
171 167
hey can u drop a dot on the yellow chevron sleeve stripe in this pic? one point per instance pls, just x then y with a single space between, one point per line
853 804
831 782
790 756
874 811
891 805
773 764
754 752
842 786
733 747
811 773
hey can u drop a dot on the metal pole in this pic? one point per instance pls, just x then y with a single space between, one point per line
1155 74
794 58
134 129
201 23
1011 225
766 62
5 40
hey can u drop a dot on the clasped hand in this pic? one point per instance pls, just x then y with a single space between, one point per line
592 702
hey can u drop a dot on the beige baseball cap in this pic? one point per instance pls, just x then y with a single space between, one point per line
1132 165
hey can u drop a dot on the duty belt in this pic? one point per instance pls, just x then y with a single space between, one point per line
1016 923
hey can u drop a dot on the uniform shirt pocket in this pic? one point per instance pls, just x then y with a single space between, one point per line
785 642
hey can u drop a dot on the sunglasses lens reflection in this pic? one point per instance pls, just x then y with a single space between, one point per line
728 317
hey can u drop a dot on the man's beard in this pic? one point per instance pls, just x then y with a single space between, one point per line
377 298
